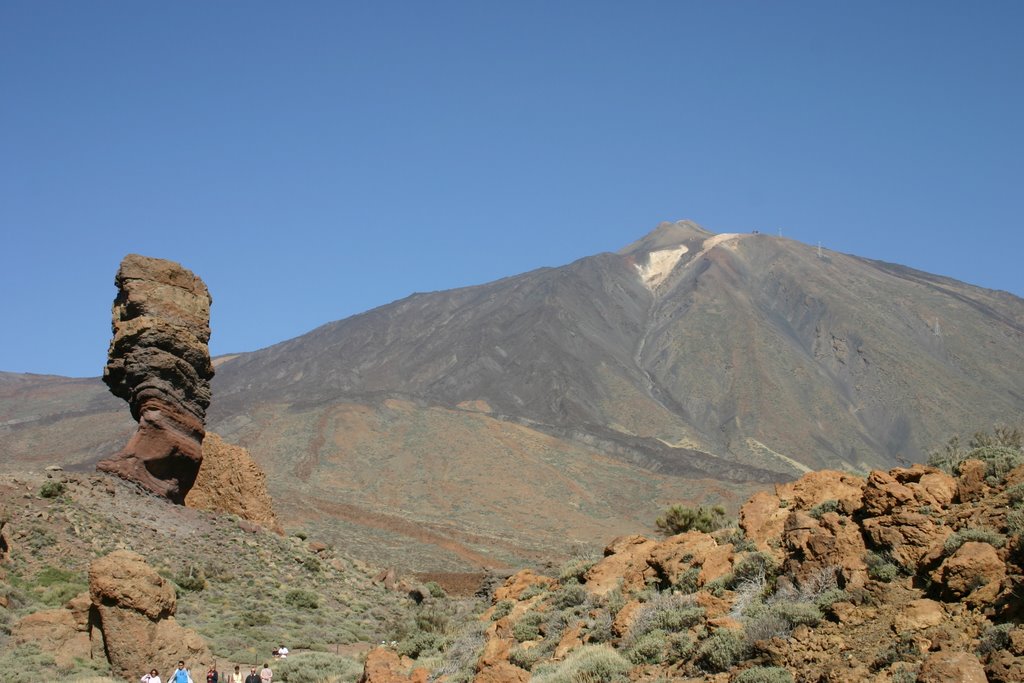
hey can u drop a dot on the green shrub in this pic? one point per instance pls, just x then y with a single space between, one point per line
569 595
525 657
828 506
532 591
678 519
1015 522
830 597
419 643
765 625
666 612
589 664
1015 495
435 589
528 627
461 656
1001 451
880 568
576 569
764 674
679 647
51 489
994 638
723 650
190 579
302 599
755 566
686 581
502 609
798 613
317 666
648 648
957 539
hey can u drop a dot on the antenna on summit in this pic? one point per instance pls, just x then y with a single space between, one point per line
935 329
819 250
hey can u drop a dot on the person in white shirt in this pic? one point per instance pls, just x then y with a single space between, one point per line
151 677
282 652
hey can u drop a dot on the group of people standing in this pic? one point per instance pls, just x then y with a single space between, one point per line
183 675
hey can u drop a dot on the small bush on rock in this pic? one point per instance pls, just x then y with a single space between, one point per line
528 627
679 519
589 664
722 651
957 539
302 599
502 610
880 568
764 674
648 648
51 489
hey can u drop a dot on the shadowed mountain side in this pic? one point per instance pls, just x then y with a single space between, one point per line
425 486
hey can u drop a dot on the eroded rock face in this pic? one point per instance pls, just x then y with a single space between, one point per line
135 611
230 481
159 362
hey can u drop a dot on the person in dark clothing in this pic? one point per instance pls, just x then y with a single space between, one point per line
212 676
253 677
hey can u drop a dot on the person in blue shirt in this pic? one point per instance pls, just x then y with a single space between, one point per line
180 674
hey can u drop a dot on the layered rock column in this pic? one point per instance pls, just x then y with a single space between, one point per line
159 362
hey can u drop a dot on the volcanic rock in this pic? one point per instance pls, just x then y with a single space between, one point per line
385 666
135 609
160 364
65 633
230 481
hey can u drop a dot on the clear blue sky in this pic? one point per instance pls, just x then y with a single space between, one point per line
312 160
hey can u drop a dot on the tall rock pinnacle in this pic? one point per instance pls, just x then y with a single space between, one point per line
159 362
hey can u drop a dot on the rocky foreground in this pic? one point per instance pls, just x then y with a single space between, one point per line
907 575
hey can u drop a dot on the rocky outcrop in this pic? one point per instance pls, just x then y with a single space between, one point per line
230 481
385 666
159 363
833 577
135 611
67 634
126 619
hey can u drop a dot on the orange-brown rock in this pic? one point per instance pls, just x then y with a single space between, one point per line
918 615
970 484
624 563
65 633
884 494
946 666
973 574
519 582
159 362
763 519
681 553
815 488
830 542
385 666
230 481
502 673
135 610
910 537
493 665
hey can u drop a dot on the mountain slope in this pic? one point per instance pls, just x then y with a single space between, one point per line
491 424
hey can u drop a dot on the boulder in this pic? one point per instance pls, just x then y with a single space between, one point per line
950 665
64 633
230 481
970 484
385 666
832 542
624 563
763 519
514 586
815 488
134 608
684 552
159 362
972 574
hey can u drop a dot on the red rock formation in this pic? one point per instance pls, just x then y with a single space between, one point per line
230 481
159 363
135 608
